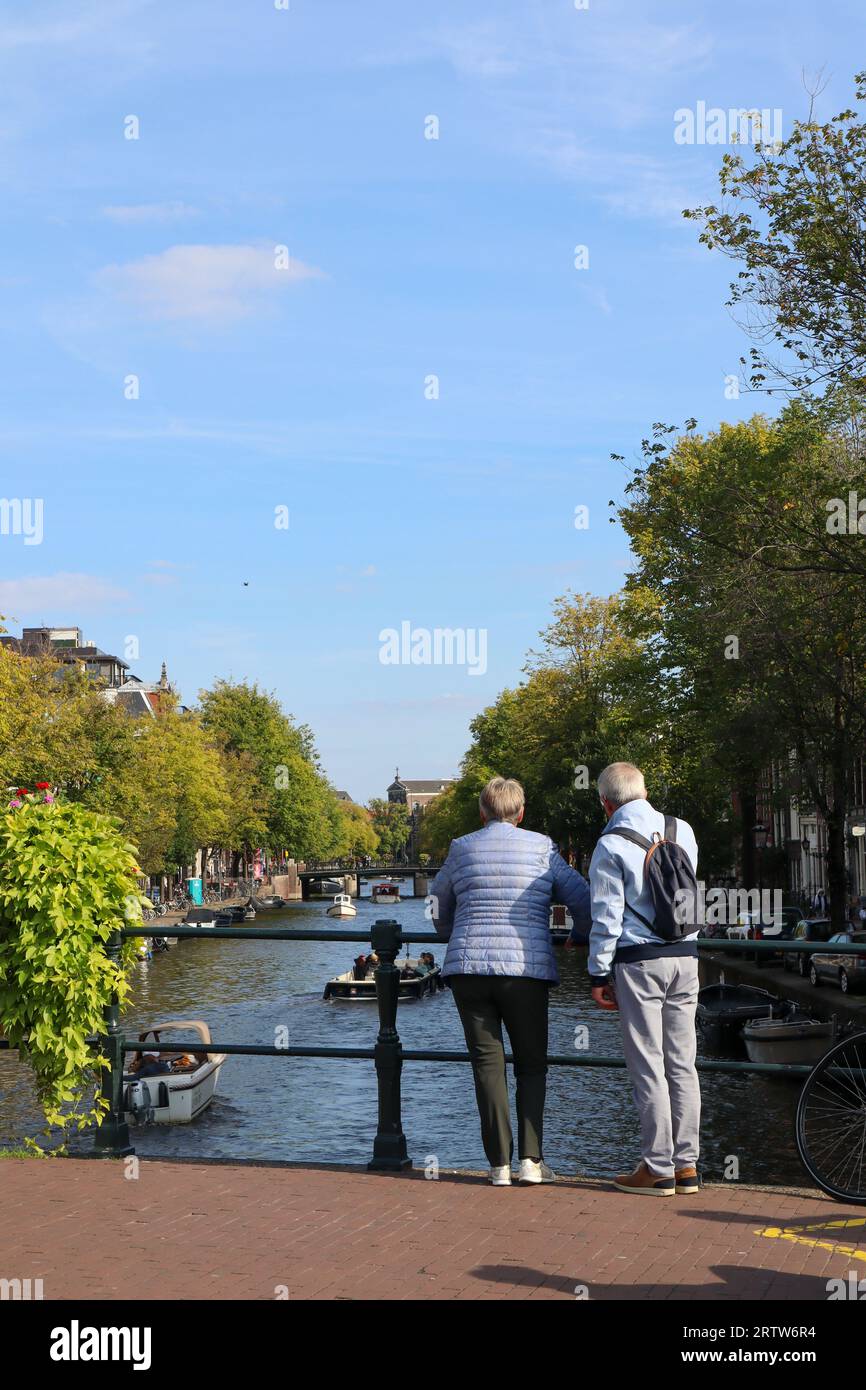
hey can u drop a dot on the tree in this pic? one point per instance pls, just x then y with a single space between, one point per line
803 276
295 804
761 648
356 837
391 825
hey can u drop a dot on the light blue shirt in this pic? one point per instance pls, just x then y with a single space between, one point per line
616 878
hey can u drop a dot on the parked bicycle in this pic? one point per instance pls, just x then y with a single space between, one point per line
830 1125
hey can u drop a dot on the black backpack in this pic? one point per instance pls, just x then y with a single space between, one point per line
670 878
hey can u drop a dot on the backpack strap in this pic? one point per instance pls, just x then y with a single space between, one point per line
642 843
633 835
671 829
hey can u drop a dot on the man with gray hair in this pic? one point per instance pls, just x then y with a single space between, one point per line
643 961
491 903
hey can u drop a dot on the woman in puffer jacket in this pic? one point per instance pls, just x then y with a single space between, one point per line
491 903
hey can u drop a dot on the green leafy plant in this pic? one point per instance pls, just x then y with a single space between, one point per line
67 881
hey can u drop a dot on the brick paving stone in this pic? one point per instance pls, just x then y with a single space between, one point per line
223 1231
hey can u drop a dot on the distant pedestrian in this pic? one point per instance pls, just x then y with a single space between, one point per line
491 903
642 962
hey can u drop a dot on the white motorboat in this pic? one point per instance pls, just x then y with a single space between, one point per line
342 906
178 1095
795 1038
386 893
199 917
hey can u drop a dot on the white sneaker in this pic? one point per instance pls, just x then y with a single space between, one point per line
500 1177
530 1171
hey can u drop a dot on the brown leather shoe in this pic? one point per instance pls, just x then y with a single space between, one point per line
687 1180
644 1183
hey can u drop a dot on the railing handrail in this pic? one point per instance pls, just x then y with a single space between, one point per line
387 938
707 943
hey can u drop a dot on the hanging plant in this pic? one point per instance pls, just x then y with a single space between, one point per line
67 880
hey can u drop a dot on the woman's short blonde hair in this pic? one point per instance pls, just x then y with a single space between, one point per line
502 799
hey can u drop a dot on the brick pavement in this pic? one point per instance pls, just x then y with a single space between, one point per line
219 1231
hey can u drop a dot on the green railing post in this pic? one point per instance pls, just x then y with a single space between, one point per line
389 1146
112 1136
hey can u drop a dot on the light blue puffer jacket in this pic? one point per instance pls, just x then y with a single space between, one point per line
491 902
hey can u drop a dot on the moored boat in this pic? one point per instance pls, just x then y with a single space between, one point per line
269 903
560 924
200 917
724 1009
185 1090
342 906
346 988
383 893
794 1038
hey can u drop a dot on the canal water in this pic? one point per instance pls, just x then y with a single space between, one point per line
325 1111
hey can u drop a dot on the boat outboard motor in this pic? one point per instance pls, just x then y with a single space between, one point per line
139 1102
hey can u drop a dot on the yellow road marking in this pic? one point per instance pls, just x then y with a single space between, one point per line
792 1233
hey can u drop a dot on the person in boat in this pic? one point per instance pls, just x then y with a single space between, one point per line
425 963
359 969
491 902
652 979
146 1064
372 964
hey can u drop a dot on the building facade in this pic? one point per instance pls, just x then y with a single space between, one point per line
416 795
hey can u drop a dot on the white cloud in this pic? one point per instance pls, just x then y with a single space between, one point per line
150 212
207 284
51 597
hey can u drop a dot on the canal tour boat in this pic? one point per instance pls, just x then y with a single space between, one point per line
181 1094
324 887
342 906
349 990
386 893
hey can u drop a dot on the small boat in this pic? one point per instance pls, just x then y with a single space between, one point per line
386 893
560 924
342 906
724 1009
345 987
249 911
200 917
227 916
270 903
180 1094
796 1037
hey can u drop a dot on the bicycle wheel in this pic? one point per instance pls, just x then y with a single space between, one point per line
831 1121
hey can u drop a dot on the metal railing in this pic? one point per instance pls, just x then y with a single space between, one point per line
390 1153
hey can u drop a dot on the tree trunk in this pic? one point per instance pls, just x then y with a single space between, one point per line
748 812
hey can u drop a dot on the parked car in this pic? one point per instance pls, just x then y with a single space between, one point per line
807 929
846 971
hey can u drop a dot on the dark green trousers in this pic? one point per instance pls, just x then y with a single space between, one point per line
485 1003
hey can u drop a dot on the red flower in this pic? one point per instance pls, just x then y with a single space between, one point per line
22 791
42 786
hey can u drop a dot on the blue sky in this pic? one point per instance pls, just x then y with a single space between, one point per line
304 387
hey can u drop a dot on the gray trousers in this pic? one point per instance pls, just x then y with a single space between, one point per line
657 1000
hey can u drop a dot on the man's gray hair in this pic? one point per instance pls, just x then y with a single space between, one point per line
621 782
501 799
